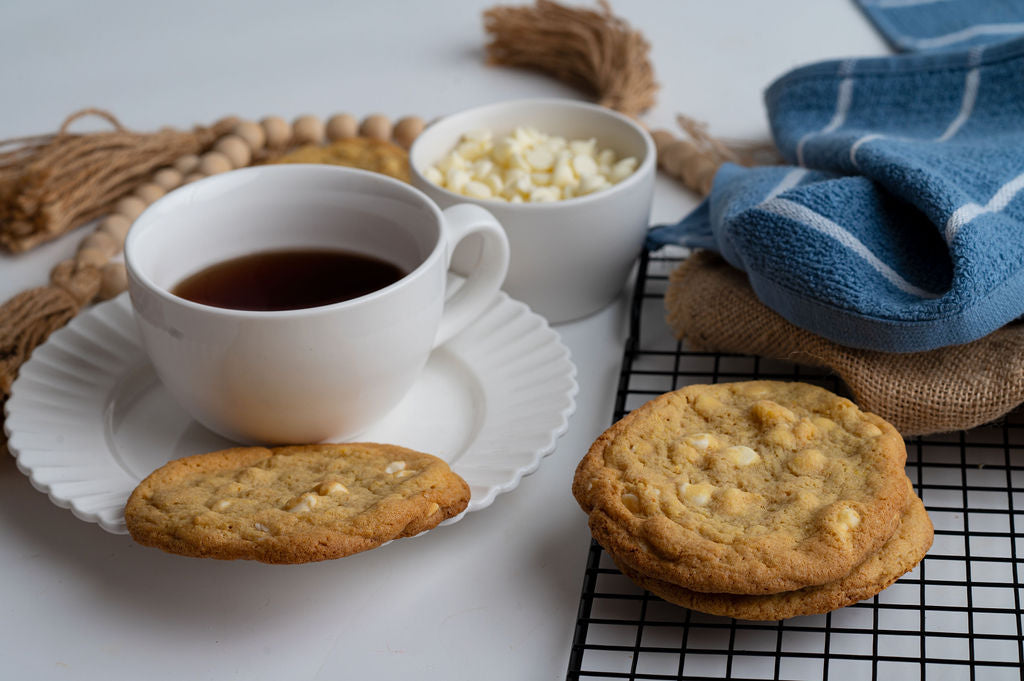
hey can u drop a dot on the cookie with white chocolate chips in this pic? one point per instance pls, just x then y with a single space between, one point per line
899 555
293 504
745 488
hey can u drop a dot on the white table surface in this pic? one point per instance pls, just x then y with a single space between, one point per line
493 596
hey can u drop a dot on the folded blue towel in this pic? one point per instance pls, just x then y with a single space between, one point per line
901 226
911 25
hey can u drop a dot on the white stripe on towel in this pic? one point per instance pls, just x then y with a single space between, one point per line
971 83
843 100
887 4
964 34
859 143
790 180
967 212
794 211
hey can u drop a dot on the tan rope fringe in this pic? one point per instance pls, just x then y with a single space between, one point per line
592 50
53 183
598 52
694 159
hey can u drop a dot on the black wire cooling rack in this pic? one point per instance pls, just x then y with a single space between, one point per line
956 616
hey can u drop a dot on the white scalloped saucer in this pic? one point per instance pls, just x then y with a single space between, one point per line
88 418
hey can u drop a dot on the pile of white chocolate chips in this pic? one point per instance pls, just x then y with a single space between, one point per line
528 167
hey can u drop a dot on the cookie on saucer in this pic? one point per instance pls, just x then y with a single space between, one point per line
293 504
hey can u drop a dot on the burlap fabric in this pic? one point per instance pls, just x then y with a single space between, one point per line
711 305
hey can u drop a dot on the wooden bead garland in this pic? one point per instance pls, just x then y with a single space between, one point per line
248 142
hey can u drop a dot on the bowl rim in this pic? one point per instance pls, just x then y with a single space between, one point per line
645 167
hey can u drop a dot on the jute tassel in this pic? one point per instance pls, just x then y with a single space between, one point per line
694 159
599 52
595 51
53 183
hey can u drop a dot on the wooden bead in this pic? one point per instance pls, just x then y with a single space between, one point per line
252 133
130 206
277 132
186 164
235 148
407 129
90 257
376 126
341 127
214 162
100 241
151 191
229 121
308 130
116 226
113 280
169 178
193 177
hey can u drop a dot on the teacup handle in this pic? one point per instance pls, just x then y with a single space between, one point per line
485 279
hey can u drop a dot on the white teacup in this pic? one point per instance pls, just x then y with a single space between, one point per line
305 375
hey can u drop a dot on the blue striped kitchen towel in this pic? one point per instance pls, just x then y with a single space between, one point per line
900 225
912 25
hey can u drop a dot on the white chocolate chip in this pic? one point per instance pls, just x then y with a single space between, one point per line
325 489
702 442
622 169
741 455
477 190
302 504
540 158
432 509
807 462
735 501
261 527
847 519
394 467
698 494
433 175
869 430
221 505
631 502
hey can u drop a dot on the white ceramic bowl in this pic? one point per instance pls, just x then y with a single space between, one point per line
568 258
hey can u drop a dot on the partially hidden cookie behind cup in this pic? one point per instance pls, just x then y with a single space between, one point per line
899 555
747 488
293 504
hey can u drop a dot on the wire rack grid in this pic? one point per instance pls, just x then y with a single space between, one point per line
956 616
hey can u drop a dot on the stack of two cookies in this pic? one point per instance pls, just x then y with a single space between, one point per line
759 500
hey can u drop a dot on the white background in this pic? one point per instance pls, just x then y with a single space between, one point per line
493 596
